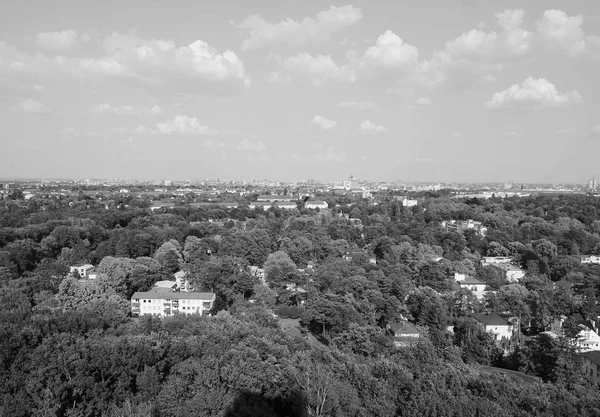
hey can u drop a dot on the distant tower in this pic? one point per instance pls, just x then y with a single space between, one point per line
592 184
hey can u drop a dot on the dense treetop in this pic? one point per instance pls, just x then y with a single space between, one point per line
312 336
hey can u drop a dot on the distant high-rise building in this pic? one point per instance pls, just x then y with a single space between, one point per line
592 183
168 183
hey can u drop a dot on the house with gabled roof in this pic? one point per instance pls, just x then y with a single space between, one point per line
83 271
472 284
405 333
494 324
591 365
585 336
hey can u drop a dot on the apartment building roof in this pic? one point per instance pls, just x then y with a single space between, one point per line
163 294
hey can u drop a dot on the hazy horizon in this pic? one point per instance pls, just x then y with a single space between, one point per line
430 91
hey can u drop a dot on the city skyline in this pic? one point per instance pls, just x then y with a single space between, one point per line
435 91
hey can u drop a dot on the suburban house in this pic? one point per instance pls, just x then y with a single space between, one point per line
158 205
494 324
460 226
316 204
164 302
406 202
83 271
513 273
357 253
585 336
590 259
495 260
472 284
179 284
276 198
286 205
404 333
591 365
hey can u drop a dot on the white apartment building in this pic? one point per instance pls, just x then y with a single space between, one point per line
495 260
316 204
590 259
164 302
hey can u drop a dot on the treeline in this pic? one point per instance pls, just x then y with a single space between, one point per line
70 347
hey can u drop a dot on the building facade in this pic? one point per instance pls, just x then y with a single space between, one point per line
591 365
164 302
83 271
496 325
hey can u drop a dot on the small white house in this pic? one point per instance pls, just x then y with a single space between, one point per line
495 325
472 284
316 204
83 271
587 338
514 273
495 260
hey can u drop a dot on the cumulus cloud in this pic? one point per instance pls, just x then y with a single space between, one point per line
477 55
183 125
196 60
532 92
390 51
289 32
424 102
368 127
30 106
324 123
357 105
59 41
319 69
512 40
180 125
127 110
557 30
130 56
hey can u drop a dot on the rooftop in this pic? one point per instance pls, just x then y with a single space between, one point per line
471 281
593 356
490 319
164 293
404 328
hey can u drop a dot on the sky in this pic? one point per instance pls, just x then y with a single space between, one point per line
428 90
